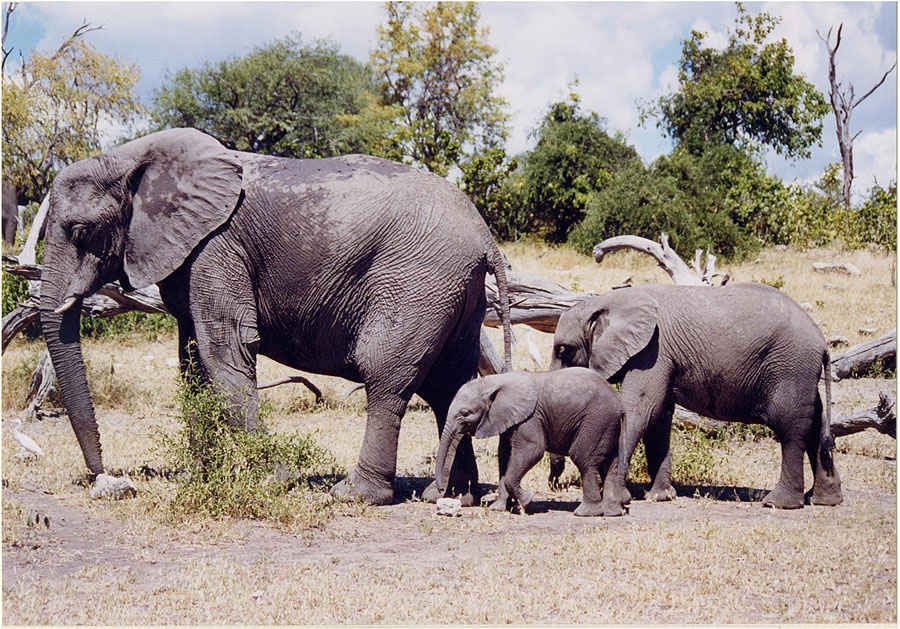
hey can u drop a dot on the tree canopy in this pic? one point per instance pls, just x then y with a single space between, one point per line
746 93
57 107
434 67
574 157
284 99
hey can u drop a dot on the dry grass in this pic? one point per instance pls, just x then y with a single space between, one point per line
712 560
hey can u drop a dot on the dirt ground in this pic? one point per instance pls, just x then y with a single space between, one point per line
69 542
61 548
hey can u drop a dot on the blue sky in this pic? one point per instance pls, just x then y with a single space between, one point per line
620 52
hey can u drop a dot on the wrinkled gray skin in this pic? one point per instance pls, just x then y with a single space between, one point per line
741 352
569 411
10 213
354 267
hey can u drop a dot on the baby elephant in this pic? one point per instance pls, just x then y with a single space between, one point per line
569 411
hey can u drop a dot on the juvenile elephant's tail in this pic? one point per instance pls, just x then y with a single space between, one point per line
497 266
826 438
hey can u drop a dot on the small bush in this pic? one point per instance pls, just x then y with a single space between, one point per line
149 326
228 471
17 381
696 456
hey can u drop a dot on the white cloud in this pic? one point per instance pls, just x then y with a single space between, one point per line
620 52
874 160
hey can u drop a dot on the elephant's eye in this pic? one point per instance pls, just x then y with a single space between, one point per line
80 233
564 352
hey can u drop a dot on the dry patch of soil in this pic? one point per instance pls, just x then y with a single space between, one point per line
72 544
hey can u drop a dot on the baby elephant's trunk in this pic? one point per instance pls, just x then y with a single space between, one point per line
450 439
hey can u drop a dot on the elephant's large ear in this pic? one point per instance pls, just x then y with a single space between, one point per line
184 186
513 399
621 326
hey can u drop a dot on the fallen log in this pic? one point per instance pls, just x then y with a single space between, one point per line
859 358
881 417
533 300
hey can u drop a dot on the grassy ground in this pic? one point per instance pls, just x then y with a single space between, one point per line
712 556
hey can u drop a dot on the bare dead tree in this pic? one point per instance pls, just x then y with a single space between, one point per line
10 8
843 102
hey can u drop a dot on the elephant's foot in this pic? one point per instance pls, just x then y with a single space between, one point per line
106 486
657 494
521 498
781 498
827 493
468 498
499 504
355 488
604 508
618 494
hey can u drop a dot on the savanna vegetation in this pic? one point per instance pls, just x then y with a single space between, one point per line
229 527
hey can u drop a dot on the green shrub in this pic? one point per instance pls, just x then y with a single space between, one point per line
875 221
228 471
708 201
145 324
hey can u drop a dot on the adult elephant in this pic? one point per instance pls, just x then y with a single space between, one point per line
10 218
743 352
355 267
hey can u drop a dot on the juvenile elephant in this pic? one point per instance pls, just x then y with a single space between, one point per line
355 267
739 352
569 411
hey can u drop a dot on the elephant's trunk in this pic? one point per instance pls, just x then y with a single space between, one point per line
450 439
62 335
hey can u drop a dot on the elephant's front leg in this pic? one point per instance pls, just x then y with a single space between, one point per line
527 447
217 332
371 480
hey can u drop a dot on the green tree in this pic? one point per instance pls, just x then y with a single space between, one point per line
721 199
284 99
574 157
746 93
488 180
56 107
436 70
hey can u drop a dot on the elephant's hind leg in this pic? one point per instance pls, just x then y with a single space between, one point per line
657 444
826 489
788 493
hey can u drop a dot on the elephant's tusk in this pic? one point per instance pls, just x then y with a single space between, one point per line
68 303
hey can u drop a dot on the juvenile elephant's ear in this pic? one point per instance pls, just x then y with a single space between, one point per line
184 186
622 324
513 400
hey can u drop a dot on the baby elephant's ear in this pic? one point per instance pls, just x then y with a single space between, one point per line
512 398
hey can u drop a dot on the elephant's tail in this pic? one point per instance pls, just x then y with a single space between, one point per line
497 266
826 438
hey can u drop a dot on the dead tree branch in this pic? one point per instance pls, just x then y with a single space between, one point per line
859 358
533 301
666 258
10 8
843 103
882 418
